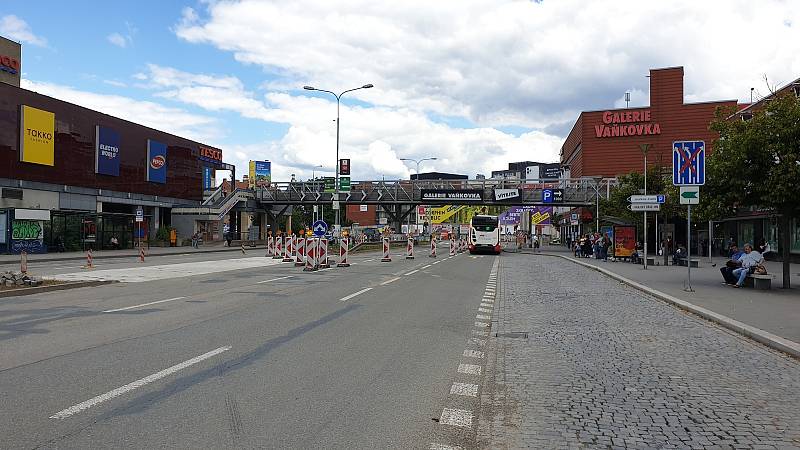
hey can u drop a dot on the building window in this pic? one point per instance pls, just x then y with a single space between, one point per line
795 235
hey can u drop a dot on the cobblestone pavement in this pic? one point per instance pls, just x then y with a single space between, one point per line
605 366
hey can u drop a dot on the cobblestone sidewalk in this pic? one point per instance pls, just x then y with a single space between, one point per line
605 366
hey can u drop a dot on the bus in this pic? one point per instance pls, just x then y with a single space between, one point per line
484 234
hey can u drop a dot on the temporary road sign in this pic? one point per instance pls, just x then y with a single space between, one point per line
690 195
644 207
658 198
688 163
319 228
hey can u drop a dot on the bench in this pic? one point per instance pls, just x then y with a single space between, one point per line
760 282
682 262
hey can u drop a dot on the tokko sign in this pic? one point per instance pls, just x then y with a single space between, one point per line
626 123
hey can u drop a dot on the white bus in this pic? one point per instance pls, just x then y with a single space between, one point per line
484 234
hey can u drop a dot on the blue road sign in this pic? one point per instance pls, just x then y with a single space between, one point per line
547 196
661 198
688 163
319 228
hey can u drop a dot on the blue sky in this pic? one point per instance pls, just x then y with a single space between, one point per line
477 84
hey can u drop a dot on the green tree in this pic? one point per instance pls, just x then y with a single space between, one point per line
756 164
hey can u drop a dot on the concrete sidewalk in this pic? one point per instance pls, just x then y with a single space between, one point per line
776 311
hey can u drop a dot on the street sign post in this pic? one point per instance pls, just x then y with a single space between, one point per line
690 195
319 228
688 163
644 207
552 195
139 220
344 184
658 198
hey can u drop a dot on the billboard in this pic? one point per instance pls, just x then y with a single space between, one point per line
454 195
106 151
208 178
37 136
540 215
263 175
624 241
156 162
543 172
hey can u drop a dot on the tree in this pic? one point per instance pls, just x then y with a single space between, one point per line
756 163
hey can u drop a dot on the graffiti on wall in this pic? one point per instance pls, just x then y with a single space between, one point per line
27 230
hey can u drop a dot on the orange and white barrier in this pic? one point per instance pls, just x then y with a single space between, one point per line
278 248
311 254
270 246
287 249
433 247
322 251
343 251
410 249
23 262
89 260
386 256
300 251
453 244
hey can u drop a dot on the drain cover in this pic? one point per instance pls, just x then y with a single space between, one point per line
513 335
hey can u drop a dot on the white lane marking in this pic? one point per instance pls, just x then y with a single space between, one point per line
136 384
344 299
481 324
275 279
425 267
437 262
465 389
369 260
484 310
456 417
143 304
390 281
435 446
473 354
412 272
480 332
483 317
469 369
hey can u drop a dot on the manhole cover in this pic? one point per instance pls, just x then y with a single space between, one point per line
513 335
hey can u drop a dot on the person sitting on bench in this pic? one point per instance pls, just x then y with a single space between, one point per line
749 261
679 254
733 263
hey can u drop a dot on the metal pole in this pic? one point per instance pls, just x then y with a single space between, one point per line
710 242
337 162
688 287
658 243
597 207
645 213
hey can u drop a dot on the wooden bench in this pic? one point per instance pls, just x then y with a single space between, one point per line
682 262
760 282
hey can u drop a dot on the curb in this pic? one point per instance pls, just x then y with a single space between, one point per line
770 340
54 287
130 255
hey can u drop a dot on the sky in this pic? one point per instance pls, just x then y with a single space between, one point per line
475 84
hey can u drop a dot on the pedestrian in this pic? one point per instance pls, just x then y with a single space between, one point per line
114 243
605 243
535 243
194 240
748 263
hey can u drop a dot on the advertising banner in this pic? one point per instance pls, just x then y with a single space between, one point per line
452 195
442 213
156 162
506 194
263 173
37 136
624 241
540 215
208 177
251 175
106 151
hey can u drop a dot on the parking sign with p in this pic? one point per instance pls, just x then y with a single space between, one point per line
688 163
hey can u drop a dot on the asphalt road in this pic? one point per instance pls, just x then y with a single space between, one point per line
358 357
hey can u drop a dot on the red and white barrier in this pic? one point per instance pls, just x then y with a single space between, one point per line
278 248
23 262
386 256
300 252
311 254
410 249
270 246
287 249
89 260
343 251
453 244
323 253
433 247
141 254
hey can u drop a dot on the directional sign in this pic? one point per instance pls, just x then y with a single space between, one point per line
690 195
658 198
139 214
344 183
319 228
552 195
644 207
329 184
688 163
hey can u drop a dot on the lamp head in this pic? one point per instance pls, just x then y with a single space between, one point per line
309 88
367 86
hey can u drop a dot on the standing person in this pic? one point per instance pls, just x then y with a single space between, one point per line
749 261
535 243
194 240
605 244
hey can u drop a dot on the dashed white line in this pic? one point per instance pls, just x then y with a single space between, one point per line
344 299
469 369
437 262
390 281
136 384
456 417
143 304
484 310
425 267
465 389
481 324
275 279
483 317
473 354
480 332
412 272
435 446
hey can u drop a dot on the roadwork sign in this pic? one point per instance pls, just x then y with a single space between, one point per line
688 163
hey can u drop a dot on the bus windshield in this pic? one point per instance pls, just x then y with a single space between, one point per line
484 223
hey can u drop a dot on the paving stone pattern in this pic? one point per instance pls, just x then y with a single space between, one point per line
605 366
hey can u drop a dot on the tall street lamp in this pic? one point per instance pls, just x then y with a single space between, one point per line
417 161
338 101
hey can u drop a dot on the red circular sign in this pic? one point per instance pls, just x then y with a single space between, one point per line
157 162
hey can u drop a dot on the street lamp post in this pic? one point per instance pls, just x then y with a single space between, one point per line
417 161
338 101
645 148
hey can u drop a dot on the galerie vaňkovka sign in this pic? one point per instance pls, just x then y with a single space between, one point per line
626 123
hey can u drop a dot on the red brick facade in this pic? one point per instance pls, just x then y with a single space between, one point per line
607 142
366 218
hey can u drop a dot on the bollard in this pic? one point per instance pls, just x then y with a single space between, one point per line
141 254
322 251
410 249
23 262
270 246
278 248
386 256
433 247
300 252
311 254
243 252
343 250
89 262
453 247
287 249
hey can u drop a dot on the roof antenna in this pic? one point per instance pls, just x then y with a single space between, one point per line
627 99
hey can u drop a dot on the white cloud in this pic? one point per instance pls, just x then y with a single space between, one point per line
15 28
171 120
117 39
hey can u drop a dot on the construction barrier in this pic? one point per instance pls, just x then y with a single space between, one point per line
287 248
311 254
410 249
453 244
343 251
23 262
243 252
322 252
141 254
300 252
278 248
270 246
433 247
386 256
89 260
